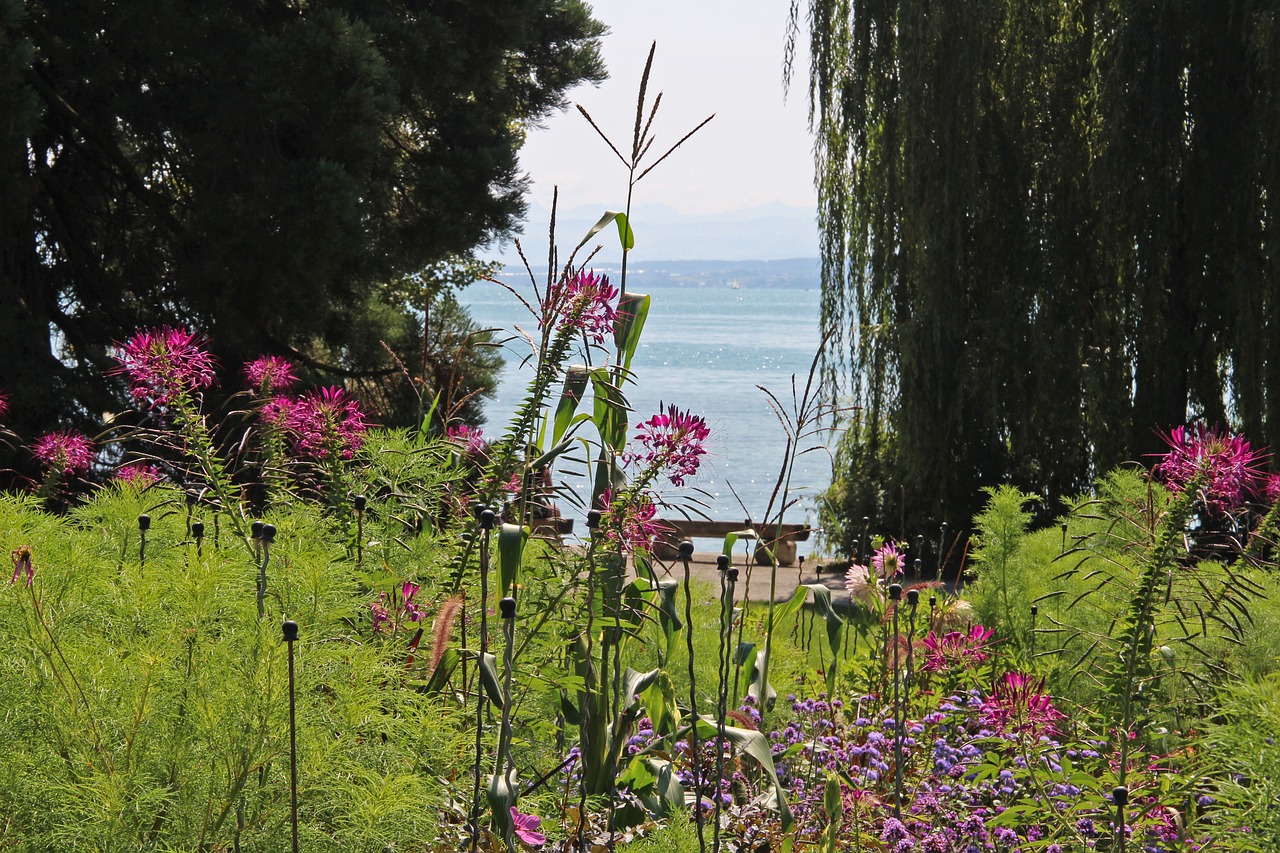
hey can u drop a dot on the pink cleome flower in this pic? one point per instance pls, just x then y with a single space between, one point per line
326 421
630 519
1019 705
164 364
269 374
1227 463
956 649
4 405
471 438
139 475
888 561
64 451
583 303
674 444
527 828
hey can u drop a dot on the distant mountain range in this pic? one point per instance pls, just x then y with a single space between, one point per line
801 273
769 233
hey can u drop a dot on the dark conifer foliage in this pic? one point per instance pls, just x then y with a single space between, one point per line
1048 230
260 171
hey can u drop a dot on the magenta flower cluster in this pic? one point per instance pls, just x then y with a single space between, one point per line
630 519
956 649
320 423
64 451
470 438
390 612
583 303
270 374
673 442
139 475
4 405
1227 466
888 561
164 365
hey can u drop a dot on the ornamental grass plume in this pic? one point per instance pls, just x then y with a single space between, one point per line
64 452
1227 464
583 303
674 444
164 365
268 375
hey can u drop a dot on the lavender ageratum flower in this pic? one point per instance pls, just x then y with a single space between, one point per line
583 303
673 442
888 561
163 365
527 828
64 451
269 374
1227 463
326 421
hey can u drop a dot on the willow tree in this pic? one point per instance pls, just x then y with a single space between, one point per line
1046 233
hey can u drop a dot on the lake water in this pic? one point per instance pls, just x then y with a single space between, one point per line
705 349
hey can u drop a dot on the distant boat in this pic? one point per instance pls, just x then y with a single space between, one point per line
733 285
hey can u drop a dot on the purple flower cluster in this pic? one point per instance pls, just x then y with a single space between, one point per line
389 613
164 365
321 423
139 475
583 303
1228 467
64 452
674 444
630 519
22 565
270 374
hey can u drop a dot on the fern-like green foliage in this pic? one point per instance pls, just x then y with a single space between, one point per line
145 703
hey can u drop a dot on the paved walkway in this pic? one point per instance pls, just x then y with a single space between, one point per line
703 567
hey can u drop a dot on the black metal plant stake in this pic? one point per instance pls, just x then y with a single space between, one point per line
487 519
359 502
144 524
197 531
268 536
507 608
290 637
731 578
895 595
686 555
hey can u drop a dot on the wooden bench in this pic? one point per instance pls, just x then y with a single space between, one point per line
676 531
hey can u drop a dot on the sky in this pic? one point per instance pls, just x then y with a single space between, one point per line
713 56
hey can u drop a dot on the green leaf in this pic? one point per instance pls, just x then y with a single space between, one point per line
626 236
730 540
511 542
444 671
624 229
755 746
575 386
659 700
488 665
633 310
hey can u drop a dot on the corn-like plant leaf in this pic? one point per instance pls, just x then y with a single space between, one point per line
755 746
633 310
625 235
511 542
575 386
